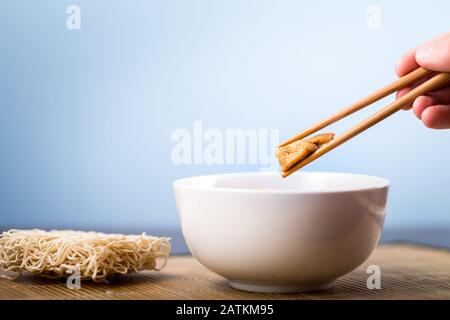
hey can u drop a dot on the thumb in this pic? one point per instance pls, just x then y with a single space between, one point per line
435 55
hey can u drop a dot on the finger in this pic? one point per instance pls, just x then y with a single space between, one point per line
405 90
441 96
437 117
402 92
408 63
421 103
432 98
435 55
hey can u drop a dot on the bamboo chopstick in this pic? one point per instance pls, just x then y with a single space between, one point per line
379 94
430 85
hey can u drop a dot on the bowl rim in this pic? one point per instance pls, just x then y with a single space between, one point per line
180 184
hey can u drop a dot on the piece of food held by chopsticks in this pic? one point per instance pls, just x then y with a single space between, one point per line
291 154
295 153
94 255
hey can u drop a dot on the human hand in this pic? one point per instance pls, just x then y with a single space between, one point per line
434 108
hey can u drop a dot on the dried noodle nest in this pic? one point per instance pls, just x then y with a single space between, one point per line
97 256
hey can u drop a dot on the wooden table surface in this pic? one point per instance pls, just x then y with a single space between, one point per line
408 272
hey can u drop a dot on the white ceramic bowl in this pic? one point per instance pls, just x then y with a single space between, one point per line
269 234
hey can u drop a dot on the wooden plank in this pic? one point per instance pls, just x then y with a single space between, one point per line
408 272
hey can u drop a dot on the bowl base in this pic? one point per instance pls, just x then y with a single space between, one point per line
262 287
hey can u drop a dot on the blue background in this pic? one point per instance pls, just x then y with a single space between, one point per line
86 116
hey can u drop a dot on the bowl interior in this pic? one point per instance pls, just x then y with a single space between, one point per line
302 182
